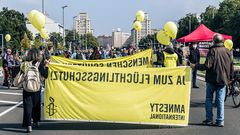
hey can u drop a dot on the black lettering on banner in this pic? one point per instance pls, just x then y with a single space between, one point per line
145 61
140 62
101 64
125 64
84 76
130 63
51 75
170 79
109 64
181 80
148 78
129 75
122 78
96 76
136 77
60 75
157 79
112 78
90 76
117 74
167 108
135 62
102 77
55 74
78 76
65 76
72 76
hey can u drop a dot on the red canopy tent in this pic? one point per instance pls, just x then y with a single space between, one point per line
202 33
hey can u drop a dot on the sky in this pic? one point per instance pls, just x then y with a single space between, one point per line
106 15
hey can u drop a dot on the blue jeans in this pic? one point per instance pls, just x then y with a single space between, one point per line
220 95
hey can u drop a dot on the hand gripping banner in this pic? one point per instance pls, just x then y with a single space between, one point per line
134 95
142 59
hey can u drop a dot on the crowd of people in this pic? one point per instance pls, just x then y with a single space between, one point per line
218 66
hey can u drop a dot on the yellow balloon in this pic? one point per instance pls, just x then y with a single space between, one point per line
163 38
228 44
137 25
31 14
38 20
140 16
44 33
8 37
171 29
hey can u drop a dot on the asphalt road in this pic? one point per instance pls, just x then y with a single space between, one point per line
11 113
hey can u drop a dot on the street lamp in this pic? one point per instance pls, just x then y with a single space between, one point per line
63 26
74 28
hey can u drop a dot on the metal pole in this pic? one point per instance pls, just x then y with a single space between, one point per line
74 28
43 7
63 27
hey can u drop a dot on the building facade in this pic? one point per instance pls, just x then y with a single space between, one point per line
105 41
119 38
146 29
83 24
50 26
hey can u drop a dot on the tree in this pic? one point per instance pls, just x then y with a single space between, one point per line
70 38
14 23
25 43
187 24
88 40
37 43
148 41
207 17
227 19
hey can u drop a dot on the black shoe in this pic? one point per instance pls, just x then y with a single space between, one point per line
195 86
36 125
29 129
219 124
207 122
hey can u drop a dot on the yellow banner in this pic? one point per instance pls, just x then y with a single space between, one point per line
142 59
134 95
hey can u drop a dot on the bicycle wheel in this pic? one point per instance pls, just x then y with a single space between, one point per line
236 94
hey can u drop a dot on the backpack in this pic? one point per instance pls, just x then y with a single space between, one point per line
31 78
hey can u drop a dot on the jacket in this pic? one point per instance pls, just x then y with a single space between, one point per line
218 65
194 56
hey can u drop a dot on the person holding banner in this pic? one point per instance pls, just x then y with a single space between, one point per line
194 58
96 54
170 58
219 69
32 100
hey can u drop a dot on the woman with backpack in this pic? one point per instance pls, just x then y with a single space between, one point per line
32 69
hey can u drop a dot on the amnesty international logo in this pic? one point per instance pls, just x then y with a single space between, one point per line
51 108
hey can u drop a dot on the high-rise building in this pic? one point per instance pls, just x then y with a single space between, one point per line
105 41
146 29
119 38
83 24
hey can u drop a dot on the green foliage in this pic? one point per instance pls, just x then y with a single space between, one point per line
185 23
148 41
14 23
225 20
37 43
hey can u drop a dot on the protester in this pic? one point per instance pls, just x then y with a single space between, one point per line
95 55
78 54
32 100
219 69
5 66
179 52
194 58
159 57
66 54
170 58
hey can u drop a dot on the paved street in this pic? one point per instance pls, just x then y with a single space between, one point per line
11 117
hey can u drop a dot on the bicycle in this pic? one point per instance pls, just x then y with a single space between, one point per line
233 89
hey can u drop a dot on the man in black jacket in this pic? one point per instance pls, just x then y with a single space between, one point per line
219 71
194 58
